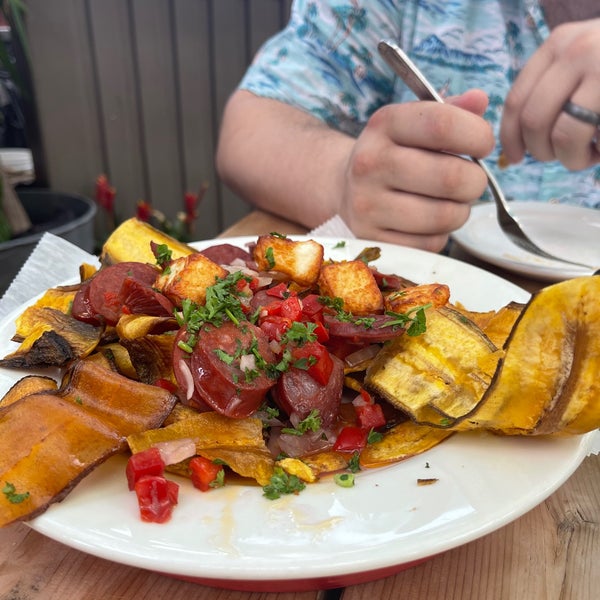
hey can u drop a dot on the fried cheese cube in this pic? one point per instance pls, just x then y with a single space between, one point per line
188 277
436 294
354 283
300 260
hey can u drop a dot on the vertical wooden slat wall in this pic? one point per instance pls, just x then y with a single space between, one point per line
136 89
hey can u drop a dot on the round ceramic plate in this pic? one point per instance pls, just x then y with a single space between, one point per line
570 232
326 536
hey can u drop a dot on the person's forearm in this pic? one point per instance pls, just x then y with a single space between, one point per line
282 159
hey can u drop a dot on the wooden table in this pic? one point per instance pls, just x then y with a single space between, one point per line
552 552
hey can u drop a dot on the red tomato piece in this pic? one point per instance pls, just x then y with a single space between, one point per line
280 291
147 462
205 473
321 332
155 496
319 362
275 326
370 416
292 308
351 439
312 309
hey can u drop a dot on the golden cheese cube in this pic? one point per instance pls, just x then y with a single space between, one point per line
300 260
354 283
188 277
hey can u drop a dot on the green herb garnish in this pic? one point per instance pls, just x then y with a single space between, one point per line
11 494
282 483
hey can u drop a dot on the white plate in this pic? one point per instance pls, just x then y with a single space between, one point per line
326 536
570 232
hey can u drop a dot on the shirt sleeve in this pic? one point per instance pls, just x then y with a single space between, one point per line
326 63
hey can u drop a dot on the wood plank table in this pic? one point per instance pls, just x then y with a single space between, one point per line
552 552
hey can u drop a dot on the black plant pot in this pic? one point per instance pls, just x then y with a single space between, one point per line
67 215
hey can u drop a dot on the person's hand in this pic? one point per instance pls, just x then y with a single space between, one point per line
566 67
405 182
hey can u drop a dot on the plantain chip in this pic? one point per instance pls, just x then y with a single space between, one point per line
237 442
548 380
31 384
53 339
131 241
439 376
50 440
402 441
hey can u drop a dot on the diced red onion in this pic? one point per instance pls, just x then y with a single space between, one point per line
189 380
175 451
362 355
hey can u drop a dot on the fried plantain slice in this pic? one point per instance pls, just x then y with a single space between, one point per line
548 381
437 377
49 441
53 339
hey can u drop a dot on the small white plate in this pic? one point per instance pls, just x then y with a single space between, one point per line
572 232
327 536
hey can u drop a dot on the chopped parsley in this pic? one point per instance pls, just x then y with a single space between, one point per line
12 495
163 255
414 318
222 302
374 436
340 244
270 257
354 462
282 483
310 423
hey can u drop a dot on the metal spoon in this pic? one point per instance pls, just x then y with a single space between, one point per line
416 81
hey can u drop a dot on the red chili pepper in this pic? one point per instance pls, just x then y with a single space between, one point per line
156 498
204 472
146 462
351 439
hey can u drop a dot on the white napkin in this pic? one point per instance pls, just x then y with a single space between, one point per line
55 260
334 227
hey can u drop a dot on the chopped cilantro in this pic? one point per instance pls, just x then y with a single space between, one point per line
219 480
374 436
353 463
310 423
11 494
222 302
270 257
282 483
414 318
340 244
163 255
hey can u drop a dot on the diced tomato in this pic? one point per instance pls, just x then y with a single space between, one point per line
370 416
292 308
147 462
275 326
366 396
351 439
280 290
319 361
312 309
321 332
273 309
205 473
156 498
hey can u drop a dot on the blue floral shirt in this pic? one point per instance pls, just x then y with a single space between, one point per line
326 62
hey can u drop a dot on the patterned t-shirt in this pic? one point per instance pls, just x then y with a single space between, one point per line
326 62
